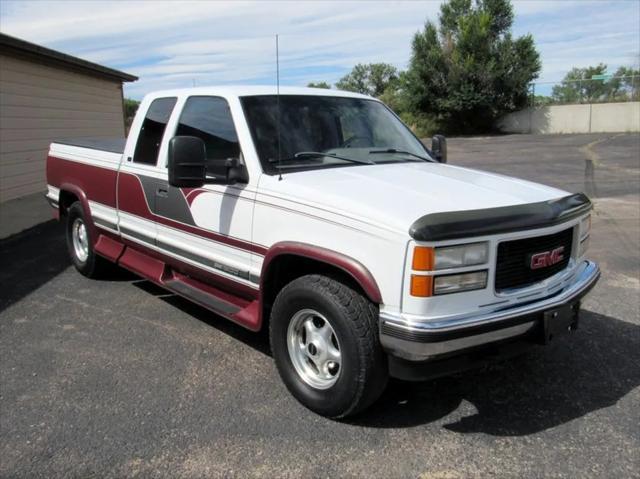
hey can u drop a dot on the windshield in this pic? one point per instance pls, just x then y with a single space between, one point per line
323 131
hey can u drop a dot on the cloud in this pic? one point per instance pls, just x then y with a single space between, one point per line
590 33
175 44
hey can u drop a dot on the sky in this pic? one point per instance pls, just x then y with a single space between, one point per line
180 44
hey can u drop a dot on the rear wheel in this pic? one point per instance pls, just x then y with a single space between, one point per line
80 245
324 339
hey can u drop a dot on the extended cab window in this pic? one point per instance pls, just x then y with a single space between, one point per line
209 118
153 126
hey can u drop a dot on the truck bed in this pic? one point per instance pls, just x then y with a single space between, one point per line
112 145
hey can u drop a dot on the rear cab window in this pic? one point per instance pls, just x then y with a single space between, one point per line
152 131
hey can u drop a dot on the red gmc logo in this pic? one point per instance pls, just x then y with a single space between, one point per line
547 258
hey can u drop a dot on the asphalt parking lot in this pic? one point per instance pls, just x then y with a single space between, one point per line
118 378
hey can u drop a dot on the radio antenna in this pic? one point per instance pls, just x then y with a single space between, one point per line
278 108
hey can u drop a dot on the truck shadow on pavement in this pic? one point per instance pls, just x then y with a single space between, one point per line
588 370
34 257
30 259
592 369
258 341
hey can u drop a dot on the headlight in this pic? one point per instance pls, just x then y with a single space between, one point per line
428 259
585 227
455 283
462 255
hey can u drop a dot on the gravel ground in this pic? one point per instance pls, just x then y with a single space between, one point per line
120 379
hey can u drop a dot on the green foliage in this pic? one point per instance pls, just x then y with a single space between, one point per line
394 96
397 99
371 79
468 71
625 84
319 84
130 109
422 125
578 87
542 100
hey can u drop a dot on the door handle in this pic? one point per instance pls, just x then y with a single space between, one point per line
162 192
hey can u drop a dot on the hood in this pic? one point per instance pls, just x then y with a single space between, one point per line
398 194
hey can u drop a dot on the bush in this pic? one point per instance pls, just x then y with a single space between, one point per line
468 71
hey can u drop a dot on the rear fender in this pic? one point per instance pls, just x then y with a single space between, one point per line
82 197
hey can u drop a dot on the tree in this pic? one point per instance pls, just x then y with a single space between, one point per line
625 84
542 100
371 79
130 109
578 86
468 71
319 84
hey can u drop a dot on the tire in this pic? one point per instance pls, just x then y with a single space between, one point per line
304 350
80 245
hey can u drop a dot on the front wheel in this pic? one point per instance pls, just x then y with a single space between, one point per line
324 339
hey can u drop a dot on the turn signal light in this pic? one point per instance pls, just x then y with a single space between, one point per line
421 286
423 258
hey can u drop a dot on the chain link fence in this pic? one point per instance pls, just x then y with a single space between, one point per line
568 92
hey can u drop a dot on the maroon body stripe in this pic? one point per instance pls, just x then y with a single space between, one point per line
132 200
99 185
131 197
191 194
236 243
216 280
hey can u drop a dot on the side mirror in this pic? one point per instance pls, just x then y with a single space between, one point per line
226 172
439 148
187 162
189 167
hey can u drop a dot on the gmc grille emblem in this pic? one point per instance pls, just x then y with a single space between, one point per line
547 258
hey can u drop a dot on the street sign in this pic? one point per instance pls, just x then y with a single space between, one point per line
604 76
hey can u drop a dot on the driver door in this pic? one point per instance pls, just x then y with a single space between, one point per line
207 227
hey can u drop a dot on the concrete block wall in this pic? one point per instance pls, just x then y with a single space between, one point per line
587 118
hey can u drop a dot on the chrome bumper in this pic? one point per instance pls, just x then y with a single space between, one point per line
418 339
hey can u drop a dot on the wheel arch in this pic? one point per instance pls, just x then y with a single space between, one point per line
69 194
287 261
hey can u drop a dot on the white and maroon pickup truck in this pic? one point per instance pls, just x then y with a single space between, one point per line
319 215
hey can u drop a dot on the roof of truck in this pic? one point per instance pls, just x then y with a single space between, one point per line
252 90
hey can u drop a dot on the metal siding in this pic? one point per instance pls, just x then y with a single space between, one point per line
40 103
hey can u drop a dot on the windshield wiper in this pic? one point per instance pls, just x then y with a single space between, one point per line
402 152
318 154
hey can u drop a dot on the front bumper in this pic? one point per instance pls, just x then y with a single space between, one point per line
419 339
